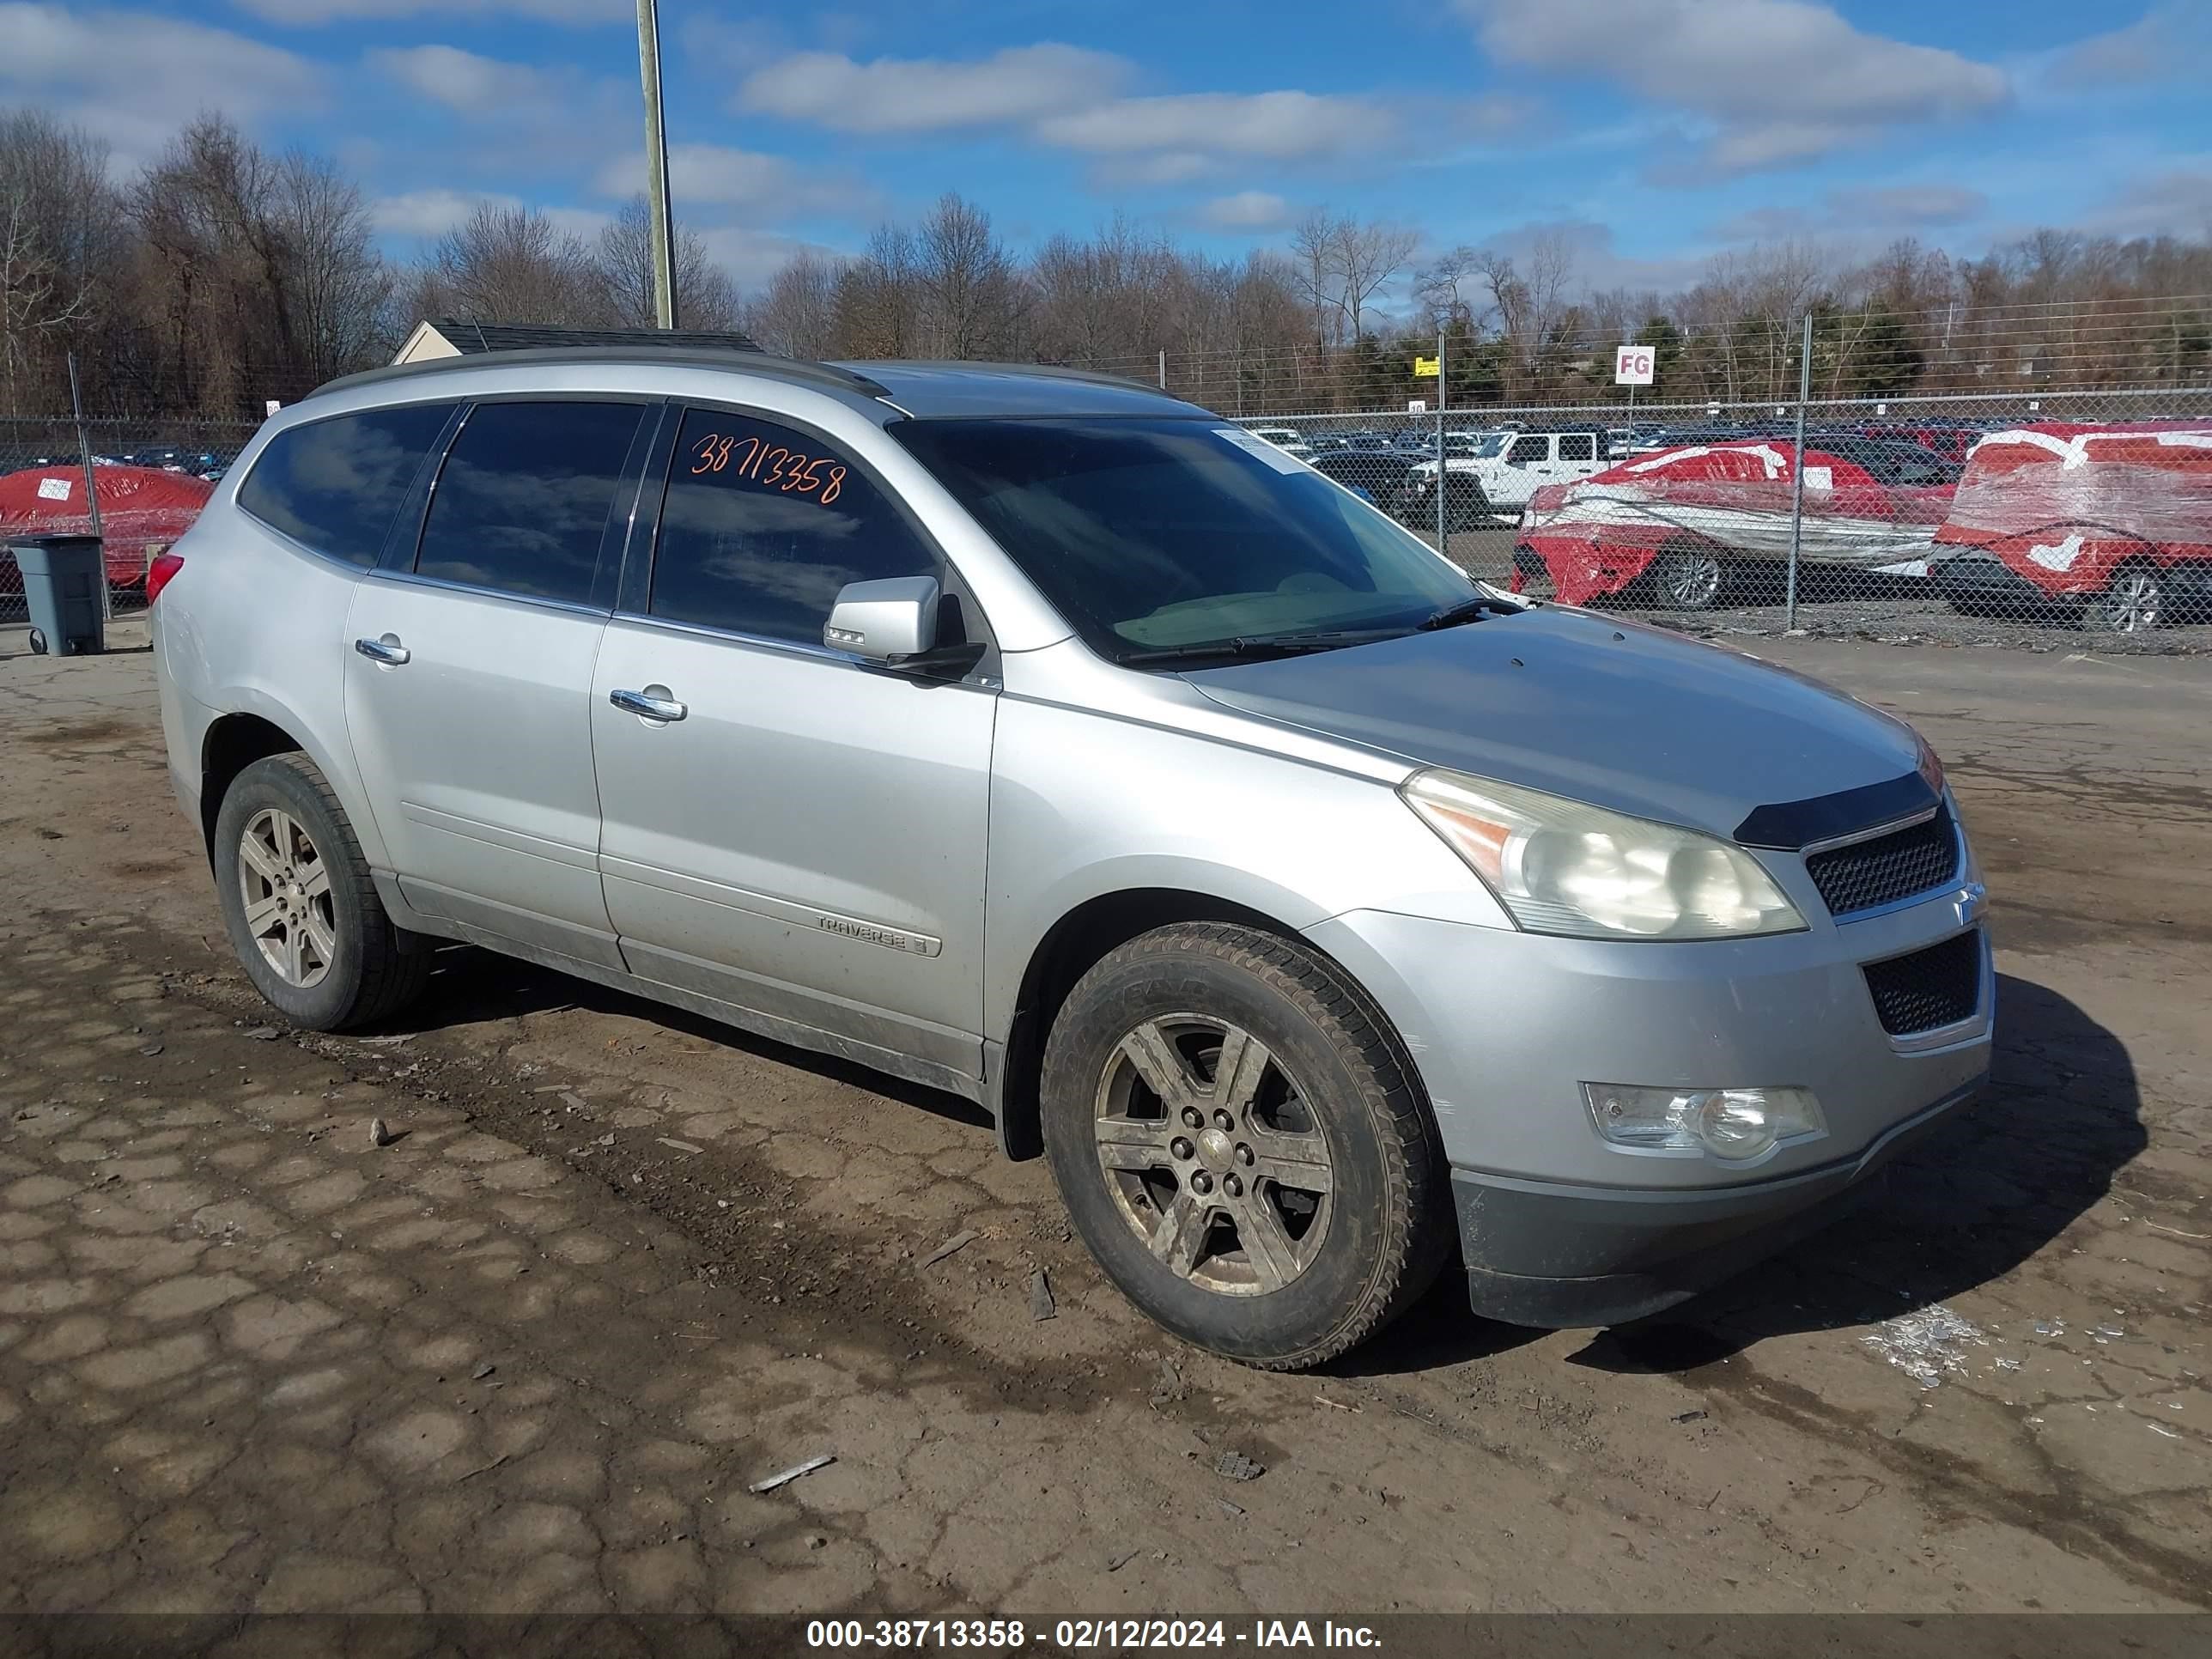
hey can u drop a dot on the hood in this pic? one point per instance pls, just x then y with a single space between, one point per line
1609 711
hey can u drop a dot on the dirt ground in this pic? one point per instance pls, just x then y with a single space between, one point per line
620 1264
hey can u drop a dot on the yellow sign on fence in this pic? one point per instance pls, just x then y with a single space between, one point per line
1426 366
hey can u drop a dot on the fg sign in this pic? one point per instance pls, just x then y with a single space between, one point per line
1632 365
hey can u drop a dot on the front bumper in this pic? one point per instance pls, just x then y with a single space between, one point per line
1559 1225
1564 1256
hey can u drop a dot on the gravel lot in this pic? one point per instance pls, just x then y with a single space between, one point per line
620 1264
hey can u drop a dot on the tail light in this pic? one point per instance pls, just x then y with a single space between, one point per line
158 573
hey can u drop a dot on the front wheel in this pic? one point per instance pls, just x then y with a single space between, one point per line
1242 1146
1688 576
299 904
2131 605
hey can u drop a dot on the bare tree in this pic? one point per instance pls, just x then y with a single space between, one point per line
879 298
706 298
1367 257
968 281
1316 245
510 264
54 203
341 286
797 314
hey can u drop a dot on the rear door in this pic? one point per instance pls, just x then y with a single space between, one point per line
801 834
469 670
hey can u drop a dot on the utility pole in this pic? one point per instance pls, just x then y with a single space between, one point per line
1797 472
1444 475
656 167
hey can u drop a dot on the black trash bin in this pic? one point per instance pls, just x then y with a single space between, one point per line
65 584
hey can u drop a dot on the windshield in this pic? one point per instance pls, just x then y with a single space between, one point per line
1483 446
1156 535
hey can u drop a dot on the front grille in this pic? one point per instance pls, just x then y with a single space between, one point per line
1888 868
1939 986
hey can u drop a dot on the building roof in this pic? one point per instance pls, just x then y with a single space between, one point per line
445 336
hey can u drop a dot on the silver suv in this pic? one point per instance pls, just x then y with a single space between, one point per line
1315 910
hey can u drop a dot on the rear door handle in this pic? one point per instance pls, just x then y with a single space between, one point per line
647 706
384 651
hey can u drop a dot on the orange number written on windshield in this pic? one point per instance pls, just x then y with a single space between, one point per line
745 455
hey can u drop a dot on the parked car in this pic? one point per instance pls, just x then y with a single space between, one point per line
142 511
1288 439
1466 507
2111 523
1375 475
1681 523
1528 460
1048 741
1951 440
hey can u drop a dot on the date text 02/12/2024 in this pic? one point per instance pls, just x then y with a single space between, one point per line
1086 1635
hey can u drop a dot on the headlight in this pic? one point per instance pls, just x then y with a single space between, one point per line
1561 867
1736 1124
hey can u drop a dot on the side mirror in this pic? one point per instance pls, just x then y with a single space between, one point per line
884 622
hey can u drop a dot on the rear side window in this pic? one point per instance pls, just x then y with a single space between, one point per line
1577 446
763 525
335 485
524 498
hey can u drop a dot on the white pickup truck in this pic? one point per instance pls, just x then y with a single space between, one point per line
1511 467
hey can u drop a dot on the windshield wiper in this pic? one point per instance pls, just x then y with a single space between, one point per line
1259 647
1466 610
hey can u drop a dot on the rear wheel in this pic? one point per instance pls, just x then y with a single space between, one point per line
1241 1145
1688 576
299 904
2132 604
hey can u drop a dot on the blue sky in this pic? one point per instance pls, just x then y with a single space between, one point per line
1653 134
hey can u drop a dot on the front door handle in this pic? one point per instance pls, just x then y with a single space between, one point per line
386 650
654 703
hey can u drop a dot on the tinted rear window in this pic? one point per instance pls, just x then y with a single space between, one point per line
523 500
334 485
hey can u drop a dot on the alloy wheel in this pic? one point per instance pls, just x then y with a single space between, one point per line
2131 604
1690 579
286 890
1213 1155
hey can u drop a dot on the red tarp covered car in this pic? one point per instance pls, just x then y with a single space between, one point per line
1679 521
2115 521
141 510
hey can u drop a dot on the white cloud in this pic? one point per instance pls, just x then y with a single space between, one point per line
2176 202
431 212
1248 209
710 173
311 12
1860 212
464 82
752 257
1908 205
584 222
2165 43
1780 81
133 78
1278 126
929 95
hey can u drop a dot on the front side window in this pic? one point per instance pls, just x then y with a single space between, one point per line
1526 450
523 500
1159 535
336 485
764 525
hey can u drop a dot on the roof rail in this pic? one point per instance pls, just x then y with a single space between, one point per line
752 362
1043 371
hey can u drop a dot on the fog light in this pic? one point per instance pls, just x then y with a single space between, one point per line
1735 1124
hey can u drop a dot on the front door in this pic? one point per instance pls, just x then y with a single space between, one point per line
469 672
785 829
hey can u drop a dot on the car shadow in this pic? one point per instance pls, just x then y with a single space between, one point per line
2061 1117
473 987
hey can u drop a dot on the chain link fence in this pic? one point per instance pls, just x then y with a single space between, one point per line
42 473
2063 521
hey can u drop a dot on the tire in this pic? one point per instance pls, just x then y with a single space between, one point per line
329 956
1279 1275
2133 602
1688 576
37 641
